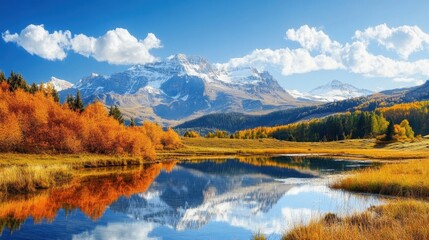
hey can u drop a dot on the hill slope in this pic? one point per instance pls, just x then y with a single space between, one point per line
235 121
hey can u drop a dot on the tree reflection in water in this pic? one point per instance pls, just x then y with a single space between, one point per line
90 191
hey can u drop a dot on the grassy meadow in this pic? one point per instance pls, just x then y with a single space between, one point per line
354 149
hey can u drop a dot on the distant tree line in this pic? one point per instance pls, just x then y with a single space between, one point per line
398 122
16 81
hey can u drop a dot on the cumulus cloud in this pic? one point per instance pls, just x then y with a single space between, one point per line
114 231
312 39
318 51
404 40
117 46
37 41
359 60
291 61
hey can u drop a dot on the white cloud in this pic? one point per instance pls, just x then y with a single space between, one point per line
117 46
312 39
409 80
37 41
319 52
113 231
293 61
404 40
290 61
359 60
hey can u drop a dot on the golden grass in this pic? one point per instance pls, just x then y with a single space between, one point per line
408 179
397 220
25 179
259 236
358 148
73 160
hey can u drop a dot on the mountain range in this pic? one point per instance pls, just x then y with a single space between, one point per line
182 88
232 122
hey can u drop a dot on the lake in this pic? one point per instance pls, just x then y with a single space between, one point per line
199 199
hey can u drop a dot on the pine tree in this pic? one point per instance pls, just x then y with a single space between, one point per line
2 77
132 122
55 95
33 88
78 103
116 114
390 132
16 81
70 101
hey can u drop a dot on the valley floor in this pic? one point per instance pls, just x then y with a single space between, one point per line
354 149
406 178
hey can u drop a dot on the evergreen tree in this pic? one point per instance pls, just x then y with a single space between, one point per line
16 81
116 114
55 95
360 126
33 88
132 122
70 101
78 103
2 77
390 132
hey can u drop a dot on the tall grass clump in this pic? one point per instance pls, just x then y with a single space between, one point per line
405 220
27 179
259 236
410 179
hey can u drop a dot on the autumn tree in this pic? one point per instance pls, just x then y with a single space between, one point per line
36 122
191 134
170 139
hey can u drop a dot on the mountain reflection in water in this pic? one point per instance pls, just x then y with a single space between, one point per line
188 200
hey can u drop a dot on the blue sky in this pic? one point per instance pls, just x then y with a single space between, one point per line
392 49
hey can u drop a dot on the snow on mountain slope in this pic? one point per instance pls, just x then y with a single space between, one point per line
59 84
336 90
182 87
332 91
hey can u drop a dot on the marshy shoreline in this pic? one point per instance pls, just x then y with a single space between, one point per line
405 176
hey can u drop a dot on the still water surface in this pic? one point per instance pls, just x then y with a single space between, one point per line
211 199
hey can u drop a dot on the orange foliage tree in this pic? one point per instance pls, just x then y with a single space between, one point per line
37 123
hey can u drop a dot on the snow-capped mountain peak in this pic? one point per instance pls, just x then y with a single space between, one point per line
59 84
183 86
332 91
337 90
